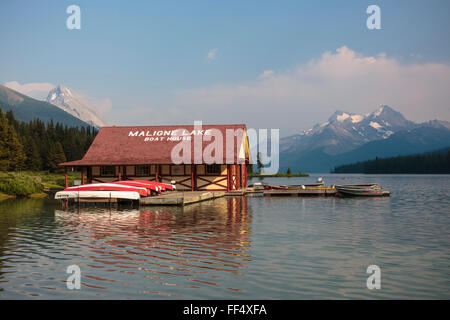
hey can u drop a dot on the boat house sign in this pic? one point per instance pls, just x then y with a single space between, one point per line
169 135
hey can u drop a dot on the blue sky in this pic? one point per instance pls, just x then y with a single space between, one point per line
152 56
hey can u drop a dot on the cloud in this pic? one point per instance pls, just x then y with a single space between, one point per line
212 53
298 98
34 90
266 74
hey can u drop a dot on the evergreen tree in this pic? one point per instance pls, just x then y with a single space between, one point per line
36 146
4 157
33 161
56 155
288 171
12 156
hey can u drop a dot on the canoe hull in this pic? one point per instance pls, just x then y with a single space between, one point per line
152 185
126 195
109 187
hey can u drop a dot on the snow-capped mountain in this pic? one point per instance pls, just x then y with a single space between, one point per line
345 131
347 138
75 104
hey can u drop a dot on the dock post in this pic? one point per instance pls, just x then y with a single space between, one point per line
192 177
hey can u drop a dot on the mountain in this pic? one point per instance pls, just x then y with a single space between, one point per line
75 104
348 137
27 109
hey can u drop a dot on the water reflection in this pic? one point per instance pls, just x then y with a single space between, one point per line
235 248
158 250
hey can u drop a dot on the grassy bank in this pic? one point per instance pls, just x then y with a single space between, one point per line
29 183
280 174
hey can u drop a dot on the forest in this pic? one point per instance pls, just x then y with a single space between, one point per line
431 162
39 146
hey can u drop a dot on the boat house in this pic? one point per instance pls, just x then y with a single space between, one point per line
193 157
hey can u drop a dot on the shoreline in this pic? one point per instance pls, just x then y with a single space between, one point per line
4 196
32 184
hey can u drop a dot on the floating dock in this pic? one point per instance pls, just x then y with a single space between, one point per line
319 191
180 198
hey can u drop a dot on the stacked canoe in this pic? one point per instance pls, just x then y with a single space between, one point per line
118 190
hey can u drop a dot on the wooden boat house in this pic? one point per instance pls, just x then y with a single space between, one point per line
147 153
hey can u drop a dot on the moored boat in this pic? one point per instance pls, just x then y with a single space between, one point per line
360 186
368 190
319 183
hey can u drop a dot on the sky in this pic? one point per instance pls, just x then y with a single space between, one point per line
268 64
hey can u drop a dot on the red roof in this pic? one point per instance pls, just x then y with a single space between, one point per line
134 145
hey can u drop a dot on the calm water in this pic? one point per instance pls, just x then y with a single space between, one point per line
236 248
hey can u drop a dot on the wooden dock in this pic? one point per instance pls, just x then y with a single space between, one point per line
180 198
321 191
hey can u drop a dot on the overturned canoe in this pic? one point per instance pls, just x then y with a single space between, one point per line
109 187
126 195
152 185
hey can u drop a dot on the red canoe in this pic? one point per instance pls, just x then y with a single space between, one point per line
152 185
110 187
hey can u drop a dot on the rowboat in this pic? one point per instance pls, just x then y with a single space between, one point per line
125 195
142 191
360 186
371 190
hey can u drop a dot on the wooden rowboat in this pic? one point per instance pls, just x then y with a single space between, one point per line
362 191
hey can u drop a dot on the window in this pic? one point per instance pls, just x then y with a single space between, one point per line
107 171
142 171
213 169
177 170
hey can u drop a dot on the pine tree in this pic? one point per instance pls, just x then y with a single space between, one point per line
33 161
36 145
56 155
12 156
4 156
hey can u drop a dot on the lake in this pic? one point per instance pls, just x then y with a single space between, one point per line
251 247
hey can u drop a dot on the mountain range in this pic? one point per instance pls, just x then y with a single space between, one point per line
347 137
344 138
75 104
65 99
27 109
